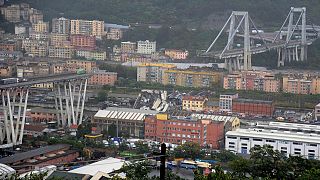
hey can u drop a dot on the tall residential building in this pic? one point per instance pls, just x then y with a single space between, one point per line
271 84
152 72
35 16
128 47
80 41
40 27
12 13
225 102
191 77
95 28
296 84
146 47
315 85
61 25
233 81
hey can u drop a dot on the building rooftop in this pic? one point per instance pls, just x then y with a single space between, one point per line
276 135
124 113
29 154
215 117
290 126
106 166
193 98
157 65
5 170
43 110
252 101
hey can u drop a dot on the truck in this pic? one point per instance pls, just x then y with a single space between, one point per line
9 81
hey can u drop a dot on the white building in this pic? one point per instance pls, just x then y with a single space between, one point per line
287 142
225 102
317 112
146 47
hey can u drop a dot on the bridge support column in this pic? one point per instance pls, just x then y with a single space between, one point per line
14 115
70 102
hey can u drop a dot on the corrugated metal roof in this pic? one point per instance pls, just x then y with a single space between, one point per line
124 113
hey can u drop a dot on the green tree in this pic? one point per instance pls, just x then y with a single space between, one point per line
141 147
102 96
312 174
84 129
188 150
137 170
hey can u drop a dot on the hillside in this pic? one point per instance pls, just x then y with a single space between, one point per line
187 24
200 13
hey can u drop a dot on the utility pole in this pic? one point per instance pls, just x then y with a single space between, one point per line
163 161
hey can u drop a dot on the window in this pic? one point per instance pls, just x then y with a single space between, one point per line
314 145
231 146
231 137
268 140
244 144
257 139
244 139
231 143
297 149
297 143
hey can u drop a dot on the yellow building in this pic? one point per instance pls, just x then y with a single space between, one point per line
296 84
95 28
193 103
152 72
191 78
40 27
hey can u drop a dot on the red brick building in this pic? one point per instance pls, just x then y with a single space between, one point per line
40 157
178 131
253 107
103 78
83 41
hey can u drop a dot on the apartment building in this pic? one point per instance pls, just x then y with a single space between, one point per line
92 54
35 16
12 13
128 47
287 142
86 27
80 41
102 77
7 46
39 36
40 27
61 25
146 47
191 77
176 54
36 48
296 84
7 69
152 72
65 52
88 66
115 34
57 39
226 100
193 103
233 81
271 84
